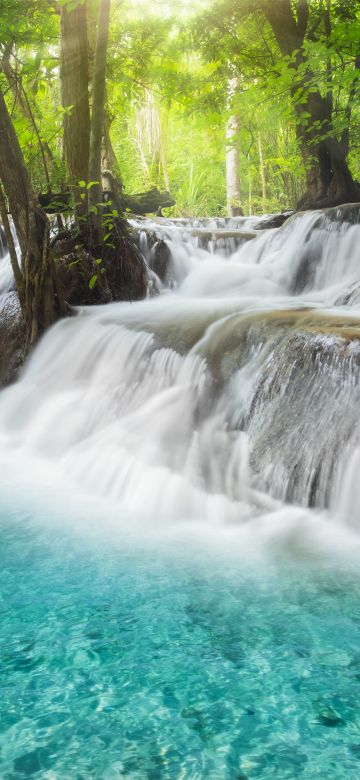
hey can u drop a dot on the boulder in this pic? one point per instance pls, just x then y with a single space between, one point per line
12 338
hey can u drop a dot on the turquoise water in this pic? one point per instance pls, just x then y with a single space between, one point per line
162 660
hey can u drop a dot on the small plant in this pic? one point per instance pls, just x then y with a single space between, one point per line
95 277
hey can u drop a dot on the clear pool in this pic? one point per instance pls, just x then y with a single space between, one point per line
162 660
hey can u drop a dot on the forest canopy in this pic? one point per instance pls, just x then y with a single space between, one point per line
187 82
206 108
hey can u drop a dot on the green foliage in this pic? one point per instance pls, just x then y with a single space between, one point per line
168 78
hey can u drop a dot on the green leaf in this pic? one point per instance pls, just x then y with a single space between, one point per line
93 281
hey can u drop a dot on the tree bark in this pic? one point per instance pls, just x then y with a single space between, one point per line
233 191
164 163
74 76
108 157
39 297
250 195
328 178
262 172
97 119
147 202
141 203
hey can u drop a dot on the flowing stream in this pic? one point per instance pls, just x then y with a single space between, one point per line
181 511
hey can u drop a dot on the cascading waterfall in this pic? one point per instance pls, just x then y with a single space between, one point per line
231 397
6 275
179 518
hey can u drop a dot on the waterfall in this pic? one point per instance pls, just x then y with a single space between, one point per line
7 281
230 397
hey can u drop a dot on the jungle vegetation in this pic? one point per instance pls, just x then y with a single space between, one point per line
228 106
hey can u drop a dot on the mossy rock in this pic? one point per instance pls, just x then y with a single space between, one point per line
85 280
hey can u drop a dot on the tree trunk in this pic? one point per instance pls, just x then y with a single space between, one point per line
74 76
108 157
164 164
39 297
328 178
250 194
97 120
141 203
233 192
262 172
147 202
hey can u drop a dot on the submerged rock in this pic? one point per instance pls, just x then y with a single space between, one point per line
330 718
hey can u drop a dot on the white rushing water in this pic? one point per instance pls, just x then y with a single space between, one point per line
229 400
7 283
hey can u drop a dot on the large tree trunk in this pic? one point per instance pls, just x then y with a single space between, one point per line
233 192
262 172
97 120
40 299
150 202
328 178
141 203
74 76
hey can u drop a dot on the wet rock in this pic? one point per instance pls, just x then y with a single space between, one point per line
274 220
3 244
75 270
12 339
126 271
302 396
308 381
349 213
221 239
86 281
351 297
161 261
315 260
